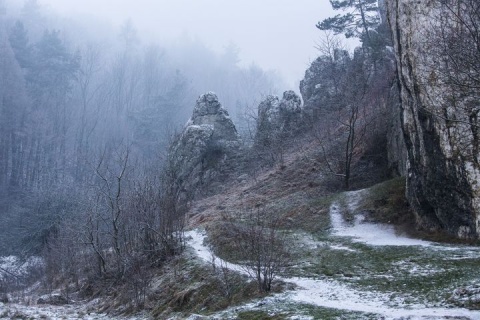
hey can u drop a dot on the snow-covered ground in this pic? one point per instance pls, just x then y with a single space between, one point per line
333 293
71 311
361 231
336 295
376 234
16 311
356 294
13 266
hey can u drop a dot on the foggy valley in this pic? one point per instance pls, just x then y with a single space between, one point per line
239 160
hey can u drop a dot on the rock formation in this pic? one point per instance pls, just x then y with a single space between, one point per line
443 185
201 151
396 150
318 88
278 119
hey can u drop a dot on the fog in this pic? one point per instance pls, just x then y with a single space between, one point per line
86 85
279 35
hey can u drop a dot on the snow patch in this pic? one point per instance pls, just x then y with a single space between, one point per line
335 295
13 266
340 247
73 312
196 240
362 231
331 294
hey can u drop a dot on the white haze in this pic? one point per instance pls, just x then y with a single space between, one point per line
275 34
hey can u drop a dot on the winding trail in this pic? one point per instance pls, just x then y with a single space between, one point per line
368 233
329 293
73 312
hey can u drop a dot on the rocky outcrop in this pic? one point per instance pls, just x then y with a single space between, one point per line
467 297
443 185
199 154
278 119
396 150
318 87
208 112
54 299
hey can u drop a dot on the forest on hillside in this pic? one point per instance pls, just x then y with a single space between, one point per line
87 123
167 178
77 96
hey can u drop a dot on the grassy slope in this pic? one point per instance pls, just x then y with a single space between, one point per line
297 191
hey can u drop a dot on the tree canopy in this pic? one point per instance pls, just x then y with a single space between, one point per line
359 18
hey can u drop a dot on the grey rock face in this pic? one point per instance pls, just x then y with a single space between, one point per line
55 299
277 118
468 296
209 111
396 149
268 113
443 185
318 86
207 141
312 87
291 103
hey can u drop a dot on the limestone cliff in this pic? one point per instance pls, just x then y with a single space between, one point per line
442 168
278 119
319 86
200 154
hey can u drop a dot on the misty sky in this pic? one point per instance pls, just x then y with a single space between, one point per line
276 34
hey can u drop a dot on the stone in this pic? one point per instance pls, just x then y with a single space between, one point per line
290 103
54 299
207 141
468 296
318 85
443 171
278 119
267 120
209 111
396 149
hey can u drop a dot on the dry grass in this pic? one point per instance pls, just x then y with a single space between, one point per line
291 189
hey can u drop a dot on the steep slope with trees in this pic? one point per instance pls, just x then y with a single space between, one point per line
349 96
85 183
69 103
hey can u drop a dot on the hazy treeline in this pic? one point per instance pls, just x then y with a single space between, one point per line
77 102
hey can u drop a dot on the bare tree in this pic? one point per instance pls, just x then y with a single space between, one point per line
341 128
261 245
113 189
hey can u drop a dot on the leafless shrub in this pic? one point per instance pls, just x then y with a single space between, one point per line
261 246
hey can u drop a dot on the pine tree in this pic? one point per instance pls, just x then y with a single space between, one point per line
54 68
20 44
360 18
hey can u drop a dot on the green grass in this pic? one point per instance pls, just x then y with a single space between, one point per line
335 314
192 287
386 202
414 274
403 274
286 310
258 315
